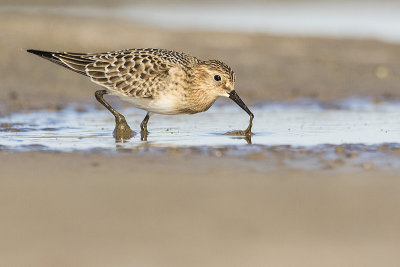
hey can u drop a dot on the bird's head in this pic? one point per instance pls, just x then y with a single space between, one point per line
215 78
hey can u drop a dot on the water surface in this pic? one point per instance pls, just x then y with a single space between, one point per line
297 125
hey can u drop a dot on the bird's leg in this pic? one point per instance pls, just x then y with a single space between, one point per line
143 127
248 132
122 130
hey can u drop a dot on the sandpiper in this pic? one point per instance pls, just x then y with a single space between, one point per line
156 80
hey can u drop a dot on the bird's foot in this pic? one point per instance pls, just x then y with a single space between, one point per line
143 135
246 132
122 131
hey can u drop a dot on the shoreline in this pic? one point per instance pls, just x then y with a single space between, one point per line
346 158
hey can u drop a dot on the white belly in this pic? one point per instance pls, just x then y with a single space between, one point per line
162 105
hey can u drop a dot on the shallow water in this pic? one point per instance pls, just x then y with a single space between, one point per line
296 125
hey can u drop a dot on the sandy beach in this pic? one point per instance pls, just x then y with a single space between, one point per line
194 207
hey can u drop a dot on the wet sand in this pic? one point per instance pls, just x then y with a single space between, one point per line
179 207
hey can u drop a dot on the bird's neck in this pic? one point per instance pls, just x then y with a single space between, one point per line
199 100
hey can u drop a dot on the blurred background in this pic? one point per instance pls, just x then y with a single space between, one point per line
280 50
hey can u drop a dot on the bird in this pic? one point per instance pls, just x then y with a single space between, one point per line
156 80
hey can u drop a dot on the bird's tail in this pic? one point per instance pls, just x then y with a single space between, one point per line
76 62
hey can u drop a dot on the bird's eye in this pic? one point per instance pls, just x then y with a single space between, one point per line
217 78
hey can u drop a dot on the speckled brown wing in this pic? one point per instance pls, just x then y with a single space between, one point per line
134 72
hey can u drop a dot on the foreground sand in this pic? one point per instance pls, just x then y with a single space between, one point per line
69 209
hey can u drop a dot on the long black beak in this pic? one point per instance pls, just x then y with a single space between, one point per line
235 97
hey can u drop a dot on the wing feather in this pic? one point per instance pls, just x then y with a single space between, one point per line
134 72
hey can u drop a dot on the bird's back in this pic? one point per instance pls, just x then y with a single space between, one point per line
132 72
